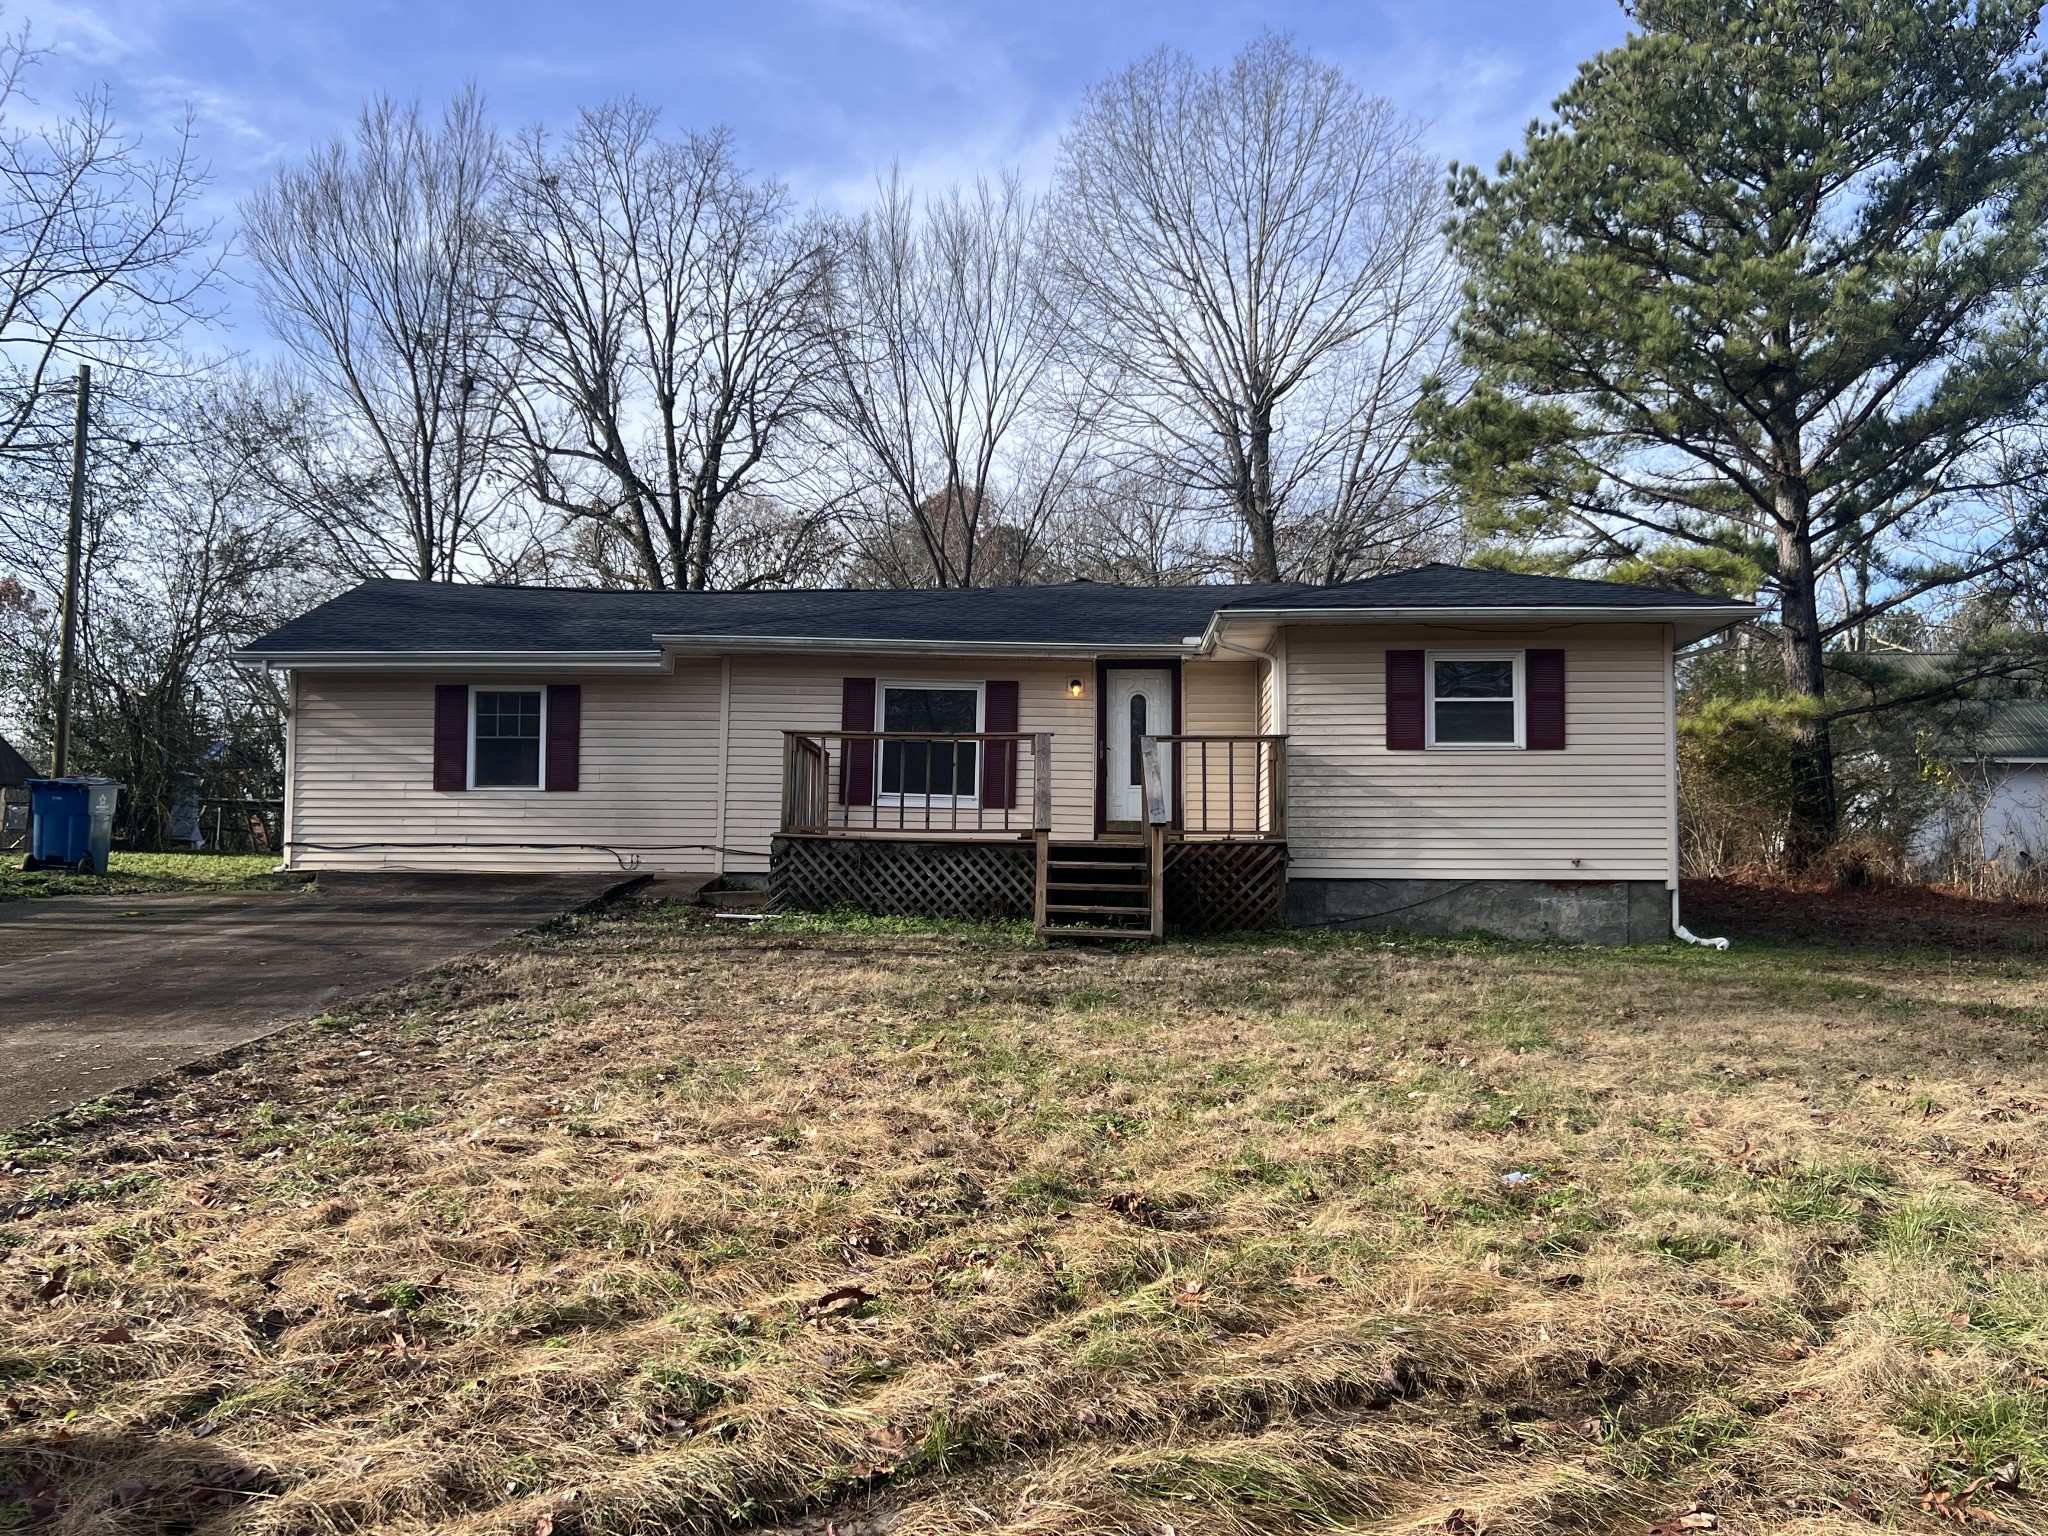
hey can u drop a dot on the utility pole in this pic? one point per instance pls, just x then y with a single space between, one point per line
67 629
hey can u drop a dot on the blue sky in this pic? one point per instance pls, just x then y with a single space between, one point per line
825 94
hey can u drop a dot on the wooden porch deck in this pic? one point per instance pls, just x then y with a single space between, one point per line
964 826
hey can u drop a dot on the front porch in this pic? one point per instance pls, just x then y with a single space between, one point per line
972 825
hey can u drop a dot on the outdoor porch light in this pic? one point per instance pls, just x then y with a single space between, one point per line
1073 687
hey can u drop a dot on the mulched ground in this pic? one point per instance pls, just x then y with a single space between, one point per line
1767 908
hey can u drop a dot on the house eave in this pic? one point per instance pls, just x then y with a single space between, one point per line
449 661
1690 624
871 646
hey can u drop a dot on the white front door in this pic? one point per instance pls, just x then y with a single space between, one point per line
1137 702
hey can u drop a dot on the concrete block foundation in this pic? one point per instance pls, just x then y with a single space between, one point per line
1581 911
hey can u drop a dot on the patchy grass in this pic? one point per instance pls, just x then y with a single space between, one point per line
137 874
649 1225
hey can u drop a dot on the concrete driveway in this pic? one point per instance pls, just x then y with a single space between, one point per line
105 992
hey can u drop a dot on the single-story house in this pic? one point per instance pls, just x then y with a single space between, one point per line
1439 747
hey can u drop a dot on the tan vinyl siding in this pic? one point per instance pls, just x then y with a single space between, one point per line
1357 810
1219 698
363 761
1220 781
773 694
650 765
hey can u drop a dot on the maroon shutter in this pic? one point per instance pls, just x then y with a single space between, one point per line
999 770
565 736
1544 726
1404 701
857 758
451 736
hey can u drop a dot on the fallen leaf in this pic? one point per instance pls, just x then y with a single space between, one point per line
840 1299
1132 1205
37 1498
114 1335
53 1287
1693 1519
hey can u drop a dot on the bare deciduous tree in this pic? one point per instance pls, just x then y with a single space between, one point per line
1121 525
944 351
185 560
667 311
102 260
1253 253
374 267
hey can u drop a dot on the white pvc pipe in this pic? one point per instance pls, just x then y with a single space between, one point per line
1681 931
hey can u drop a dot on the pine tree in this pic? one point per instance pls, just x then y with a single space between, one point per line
1759 310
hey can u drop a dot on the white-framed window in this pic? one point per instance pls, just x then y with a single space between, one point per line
1475 699
937 772
507 737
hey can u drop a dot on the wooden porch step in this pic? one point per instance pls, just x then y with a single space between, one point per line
1097 890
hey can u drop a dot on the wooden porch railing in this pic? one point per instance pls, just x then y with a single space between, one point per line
1230 788
900 783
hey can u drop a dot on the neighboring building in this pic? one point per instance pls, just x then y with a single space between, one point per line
2004 815
1437 748
2015 755
15 770
1998 814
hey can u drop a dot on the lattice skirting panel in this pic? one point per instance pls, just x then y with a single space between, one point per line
979 882
1225 887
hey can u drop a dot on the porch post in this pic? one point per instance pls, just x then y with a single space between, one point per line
1041 782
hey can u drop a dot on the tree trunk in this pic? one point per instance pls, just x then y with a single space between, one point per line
705 515
1815 815
1258 509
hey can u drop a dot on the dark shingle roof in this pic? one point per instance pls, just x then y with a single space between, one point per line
2018 728
2002 728
407 616
1459 586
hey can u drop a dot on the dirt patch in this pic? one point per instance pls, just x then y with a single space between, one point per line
1892 916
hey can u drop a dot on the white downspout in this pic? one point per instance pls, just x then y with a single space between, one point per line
724 756
287 821
1678 929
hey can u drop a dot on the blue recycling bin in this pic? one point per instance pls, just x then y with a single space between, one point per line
71 823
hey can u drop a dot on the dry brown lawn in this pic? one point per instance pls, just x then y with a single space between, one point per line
644 1225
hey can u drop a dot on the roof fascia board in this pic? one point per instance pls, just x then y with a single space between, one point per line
802 645
416 661
1678 615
